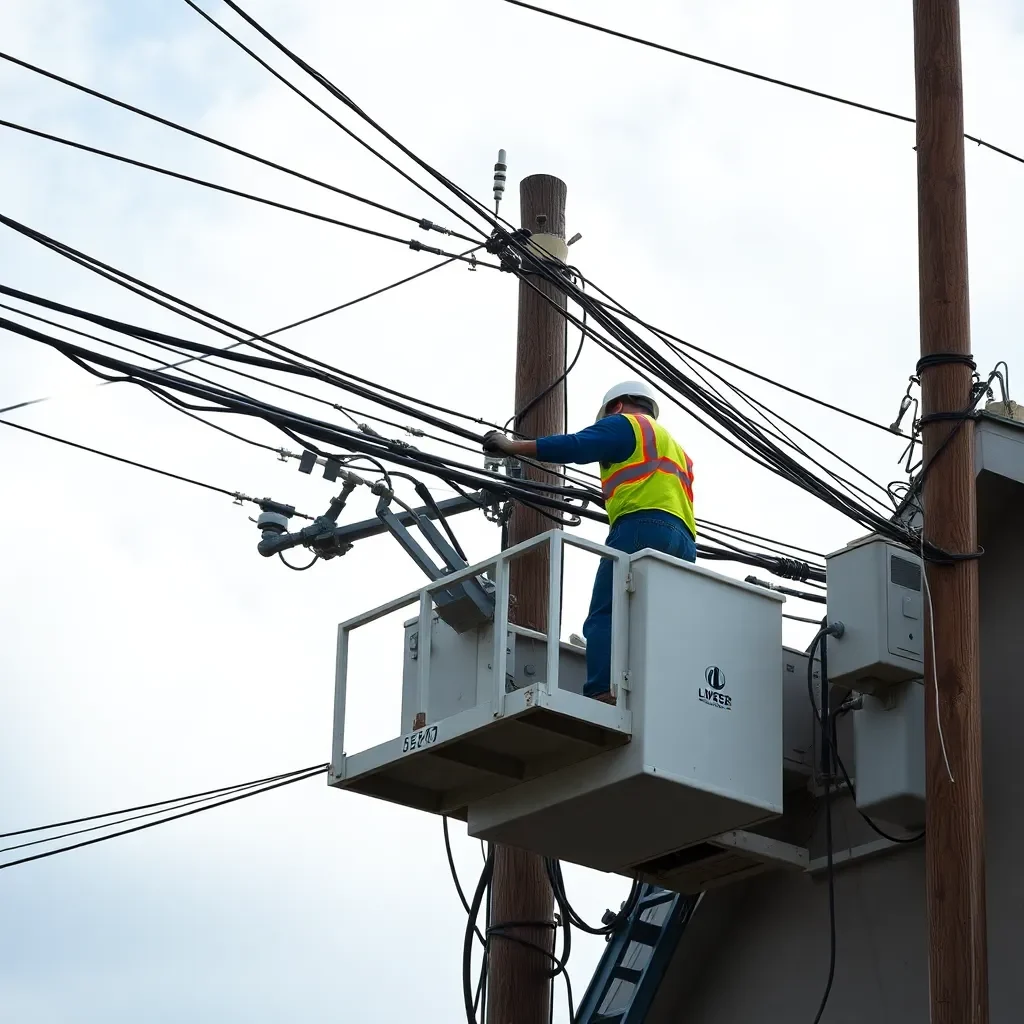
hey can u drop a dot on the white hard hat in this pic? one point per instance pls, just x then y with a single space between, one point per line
631 388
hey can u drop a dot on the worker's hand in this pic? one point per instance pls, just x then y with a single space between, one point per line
496 441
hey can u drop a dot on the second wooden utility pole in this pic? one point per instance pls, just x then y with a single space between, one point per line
518 988
955 827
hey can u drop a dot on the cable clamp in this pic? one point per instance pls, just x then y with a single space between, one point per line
418 246
502 244
793 569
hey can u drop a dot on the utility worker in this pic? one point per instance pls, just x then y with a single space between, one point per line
647 480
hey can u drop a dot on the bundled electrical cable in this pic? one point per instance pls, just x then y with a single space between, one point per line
606 326
574 499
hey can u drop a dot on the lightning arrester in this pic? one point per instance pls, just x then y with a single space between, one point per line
499 178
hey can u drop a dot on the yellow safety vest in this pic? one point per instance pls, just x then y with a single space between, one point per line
659 474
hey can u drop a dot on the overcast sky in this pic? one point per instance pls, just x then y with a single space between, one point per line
147 649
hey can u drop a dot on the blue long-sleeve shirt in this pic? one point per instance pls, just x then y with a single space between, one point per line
610 439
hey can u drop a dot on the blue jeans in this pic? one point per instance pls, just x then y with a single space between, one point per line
631 533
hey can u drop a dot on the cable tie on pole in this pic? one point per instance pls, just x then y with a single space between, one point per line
945 359
943 417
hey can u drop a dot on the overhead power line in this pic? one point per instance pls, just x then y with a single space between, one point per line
729 538
301 775
269 334
238 151
316 106
310 432
297 426
527 259
145 807
555 276
346 409
475 204
707 406
116 819
448 184
667 337
357 385
236 495
747 73
746 436
180 176
341 378
734 428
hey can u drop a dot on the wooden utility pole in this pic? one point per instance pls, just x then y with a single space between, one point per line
518 987
955 842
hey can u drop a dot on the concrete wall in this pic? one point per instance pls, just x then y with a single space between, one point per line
759 951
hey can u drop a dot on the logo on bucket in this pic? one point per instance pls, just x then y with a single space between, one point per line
713 693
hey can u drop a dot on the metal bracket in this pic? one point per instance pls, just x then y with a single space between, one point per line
465 605
327 538
840 858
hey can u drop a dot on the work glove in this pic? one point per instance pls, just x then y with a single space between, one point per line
495 441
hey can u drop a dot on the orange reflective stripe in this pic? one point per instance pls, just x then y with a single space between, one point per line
685 476
641 470
628 475
650 439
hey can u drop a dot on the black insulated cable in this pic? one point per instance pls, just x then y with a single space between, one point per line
227 190
527 264
421 221
467 945
532 493
309 429
236 495
238 335
133 817
821 637
749 439
806 90
306 774
145 807
316 106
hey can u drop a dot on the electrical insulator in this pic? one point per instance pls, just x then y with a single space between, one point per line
499 178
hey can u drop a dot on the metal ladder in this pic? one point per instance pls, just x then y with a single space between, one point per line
635 959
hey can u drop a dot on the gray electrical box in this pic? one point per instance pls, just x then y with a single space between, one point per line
875 588
799 747
888 737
